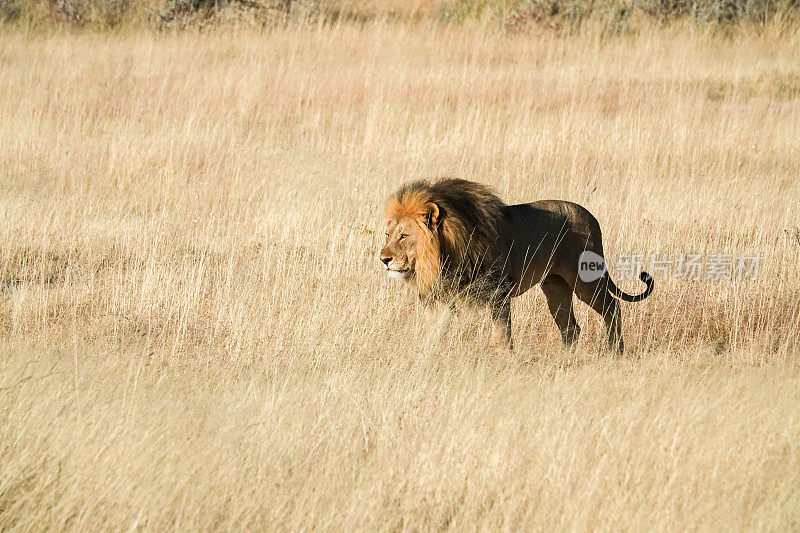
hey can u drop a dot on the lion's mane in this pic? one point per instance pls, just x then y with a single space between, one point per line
461 250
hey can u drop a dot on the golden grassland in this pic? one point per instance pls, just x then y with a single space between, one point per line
195 332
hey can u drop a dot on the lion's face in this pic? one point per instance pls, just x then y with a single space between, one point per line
399 253
411 251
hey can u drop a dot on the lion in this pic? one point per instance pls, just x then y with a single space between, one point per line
454 238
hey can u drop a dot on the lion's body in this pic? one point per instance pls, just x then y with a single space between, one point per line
545 238
455 237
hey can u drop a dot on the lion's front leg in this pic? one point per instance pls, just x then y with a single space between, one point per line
441 315
501 323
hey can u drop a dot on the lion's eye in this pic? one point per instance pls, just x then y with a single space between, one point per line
402 236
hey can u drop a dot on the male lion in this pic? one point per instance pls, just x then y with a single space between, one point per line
454 238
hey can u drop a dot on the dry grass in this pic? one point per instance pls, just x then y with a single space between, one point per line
196 333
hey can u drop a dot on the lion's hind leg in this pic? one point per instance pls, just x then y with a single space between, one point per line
596 295
559 301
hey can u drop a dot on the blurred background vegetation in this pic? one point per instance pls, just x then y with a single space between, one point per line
561 16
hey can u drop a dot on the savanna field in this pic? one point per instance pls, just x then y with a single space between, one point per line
196 332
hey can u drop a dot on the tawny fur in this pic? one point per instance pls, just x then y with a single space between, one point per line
454 237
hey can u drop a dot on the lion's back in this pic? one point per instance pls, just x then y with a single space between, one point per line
546 234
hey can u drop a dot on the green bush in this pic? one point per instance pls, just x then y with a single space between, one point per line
513 15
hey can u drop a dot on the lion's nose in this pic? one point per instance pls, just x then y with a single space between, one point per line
386 260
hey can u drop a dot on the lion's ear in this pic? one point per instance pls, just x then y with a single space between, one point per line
431 214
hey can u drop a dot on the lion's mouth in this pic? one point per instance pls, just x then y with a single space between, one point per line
398 274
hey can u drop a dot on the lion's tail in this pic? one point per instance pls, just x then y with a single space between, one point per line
625 297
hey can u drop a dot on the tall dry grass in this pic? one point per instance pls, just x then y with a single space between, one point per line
196 333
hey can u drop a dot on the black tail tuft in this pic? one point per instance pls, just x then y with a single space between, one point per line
646 278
